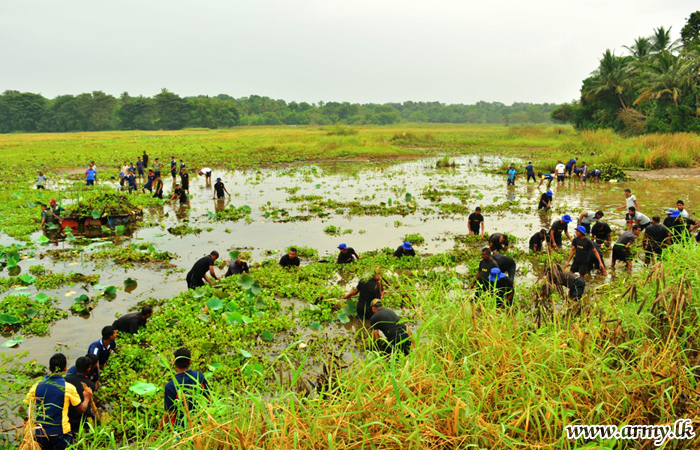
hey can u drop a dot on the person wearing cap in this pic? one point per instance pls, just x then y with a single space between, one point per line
476 222
546 200
206 171
502 287
369 289
530 170
506 264
347 254
558 227
157 167
581 250
679 227
173 167
56 211
680 205
601 232
655 237
537 241
185 180
560 170
498 242
637 217
290 259
197 275
396 333
485 265
587 218
546 176
621 249
405 249
511 176
239 265
219 189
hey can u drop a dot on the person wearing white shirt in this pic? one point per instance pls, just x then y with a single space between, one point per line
206 171
638 218
681 207
560 169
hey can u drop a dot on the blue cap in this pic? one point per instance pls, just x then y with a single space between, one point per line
670 211
675 214
581 228
550 193
407 246
218 179
343 247
566 218
496 274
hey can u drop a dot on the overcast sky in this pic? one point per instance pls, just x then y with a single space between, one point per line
453 51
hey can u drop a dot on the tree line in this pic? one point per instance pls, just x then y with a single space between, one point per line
653 87
98 111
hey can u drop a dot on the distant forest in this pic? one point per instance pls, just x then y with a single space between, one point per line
653 88
97 111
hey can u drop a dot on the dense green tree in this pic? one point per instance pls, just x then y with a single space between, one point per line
22 111
173 110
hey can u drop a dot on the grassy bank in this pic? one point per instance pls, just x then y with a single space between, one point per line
479 377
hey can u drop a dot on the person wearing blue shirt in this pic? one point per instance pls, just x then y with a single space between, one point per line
173 167
511 176
571 165
530 169
105 346
181 390
90 176
52 398
133 186
546 176
93 373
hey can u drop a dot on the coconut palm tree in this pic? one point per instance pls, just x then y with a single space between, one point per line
665 75
640 49
612 75
661 40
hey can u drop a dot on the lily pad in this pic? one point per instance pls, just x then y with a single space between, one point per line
246 281
96 214
252 369
41 297
110 290
129 282
98 287
234 254
142 388
31 312
215 304
255 288
81 298
267 336
316 326
12 342
245 353
43 239
343 318
8 319
119 230
106 230
199 292
27 278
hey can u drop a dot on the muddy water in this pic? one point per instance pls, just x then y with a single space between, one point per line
367 182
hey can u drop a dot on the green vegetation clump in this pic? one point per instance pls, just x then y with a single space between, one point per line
20 313
304 252
232 213
414 239
184 229
133 254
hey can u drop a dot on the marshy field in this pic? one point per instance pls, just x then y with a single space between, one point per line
288 363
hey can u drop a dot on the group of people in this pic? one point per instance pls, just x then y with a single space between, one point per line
63 399
572 169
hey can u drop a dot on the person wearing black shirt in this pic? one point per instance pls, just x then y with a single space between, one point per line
237 266
506 264
290 259
158 188
386 321
537 241
476 222
347 254
179 193
185 180
81 382
546 200
621 250
530 169
558 227
145 159
485 265
558 277
405 249
581 251
498 242
369 290
130 323
219 188
502 287
593 263
198 274
678 226
655 236
601 232
173 167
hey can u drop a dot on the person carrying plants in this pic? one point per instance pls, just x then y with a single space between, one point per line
502 287
130 323
237 266
621 249
290 259
55 211
52 397
370 288
104 347
587 218
79 419
537 241
546 200
476 222
181 390
178 192
530 170
405 249
219 189
347 254
396 333
581 251
197 275
558 227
